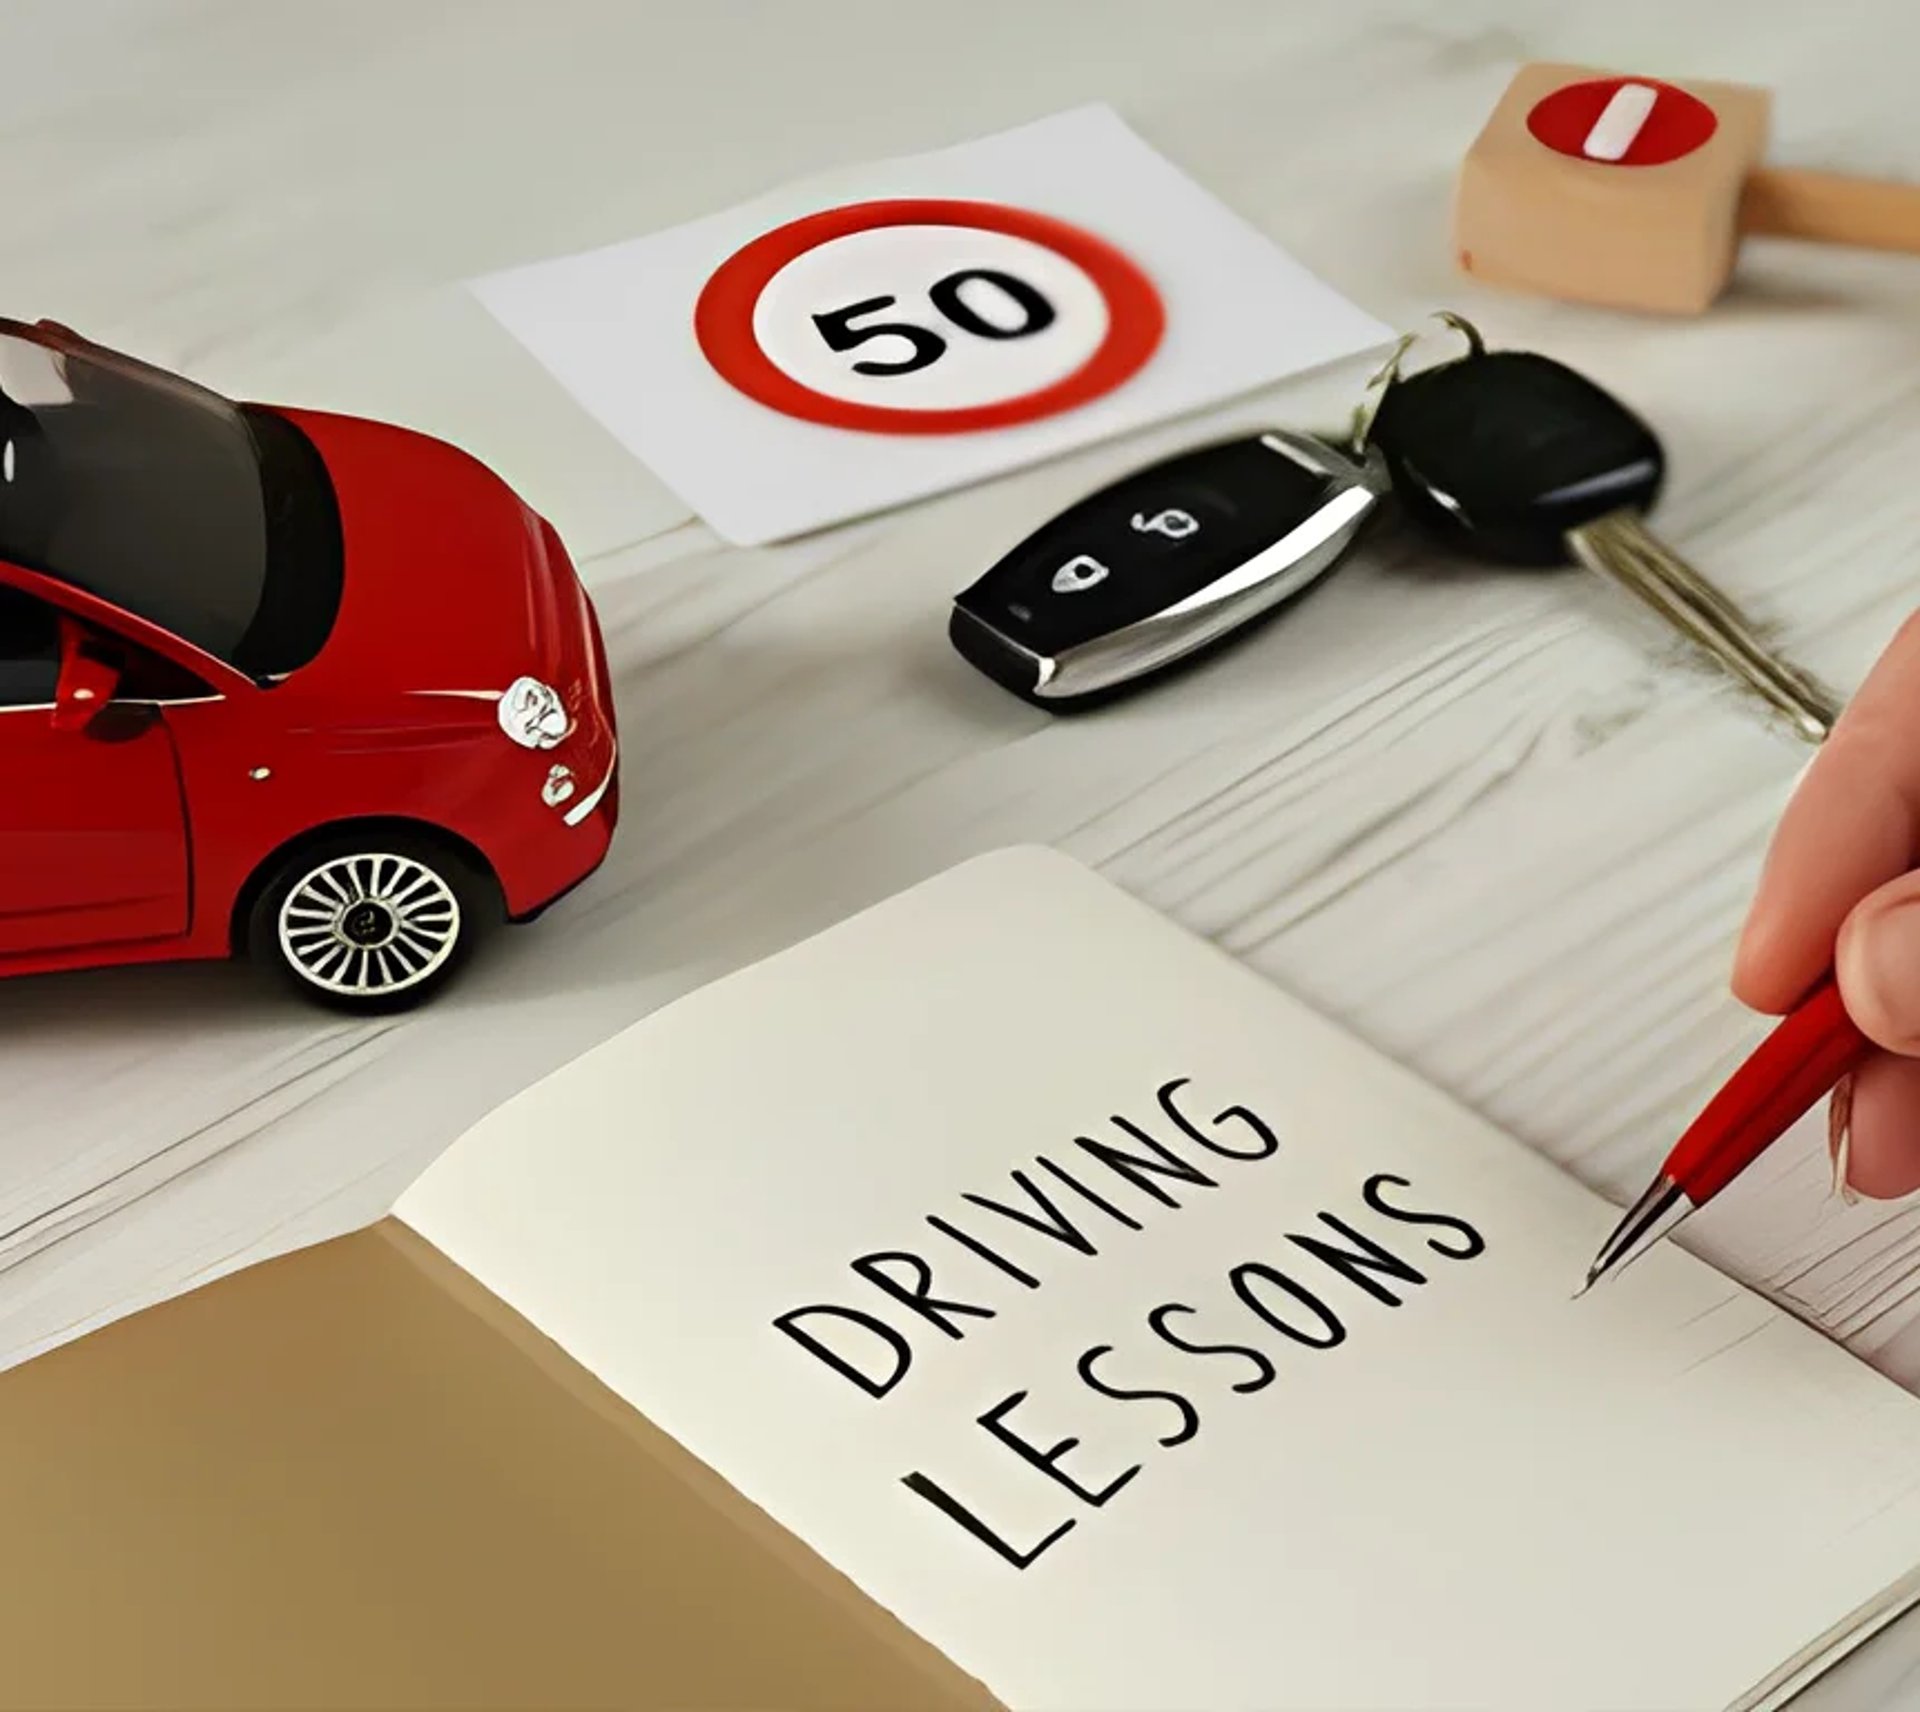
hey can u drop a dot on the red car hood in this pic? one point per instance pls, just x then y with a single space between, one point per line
450 583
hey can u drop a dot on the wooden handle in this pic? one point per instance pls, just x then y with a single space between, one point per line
1831 208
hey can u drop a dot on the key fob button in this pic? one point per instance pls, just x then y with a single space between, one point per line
1048 588
1176 521
1166 523
1218 498
1083 571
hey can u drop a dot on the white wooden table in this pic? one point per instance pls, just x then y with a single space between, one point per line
1490 821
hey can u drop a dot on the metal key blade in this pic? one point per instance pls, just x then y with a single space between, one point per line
1622 549
1808 693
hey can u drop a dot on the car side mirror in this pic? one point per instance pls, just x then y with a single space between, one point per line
88 679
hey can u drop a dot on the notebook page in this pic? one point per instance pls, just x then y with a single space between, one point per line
1144 1341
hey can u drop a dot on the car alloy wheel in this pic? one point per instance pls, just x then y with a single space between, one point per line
369 926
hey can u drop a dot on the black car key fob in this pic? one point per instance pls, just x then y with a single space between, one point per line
1167 562
1503 454
1518 458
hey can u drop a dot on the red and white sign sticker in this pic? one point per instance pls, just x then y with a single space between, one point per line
1623 121
896 331
927 316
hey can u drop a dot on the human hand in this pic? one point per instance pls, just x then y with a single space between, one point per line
1840 892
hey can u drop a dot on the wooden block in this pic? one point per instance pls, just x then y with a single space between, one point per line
1606 189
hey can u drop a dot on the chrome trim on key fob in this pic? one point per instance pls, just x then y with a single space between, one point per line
1165 563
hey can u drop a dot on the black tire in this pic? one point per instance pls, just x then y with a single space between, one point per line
371 923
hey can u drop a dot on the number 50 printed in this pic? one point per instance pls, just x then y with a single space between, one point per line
842 331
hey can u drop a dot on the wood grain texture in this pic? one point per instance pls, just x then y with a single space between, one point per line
1491 821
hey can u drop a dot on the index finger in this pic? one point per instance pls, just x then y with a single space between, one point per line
1853 825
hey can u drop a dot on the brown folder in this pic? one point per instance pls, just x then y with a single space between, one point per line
353 1478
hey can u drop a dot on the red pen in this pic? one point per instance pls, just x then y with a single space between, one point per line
1799 1063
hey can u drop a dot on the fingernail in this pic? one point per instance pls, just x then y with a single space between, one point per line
1840 1139
1887 964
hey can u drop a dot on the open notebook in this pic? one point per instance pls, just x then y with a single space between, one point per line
1146 1342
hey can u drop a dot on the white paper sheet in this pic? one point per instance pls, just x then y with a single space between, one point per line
616 326
1242 1471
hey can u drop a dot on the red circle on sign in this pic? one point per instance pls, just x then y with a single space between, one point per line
723 317
1678 124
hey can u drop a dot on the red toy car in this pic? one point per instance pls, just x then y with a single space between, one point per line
276 682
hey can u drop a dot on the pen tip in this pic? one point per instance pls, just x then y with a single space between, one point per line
1649 1219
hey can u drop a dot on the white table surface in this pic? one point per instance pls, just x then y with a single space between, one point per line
1490 821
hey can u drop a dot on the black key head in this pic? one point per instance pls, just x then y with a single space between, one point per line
1501 453
1163 565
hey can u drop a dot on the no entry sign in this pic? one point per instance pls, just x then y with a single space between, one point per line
927 316
1622 121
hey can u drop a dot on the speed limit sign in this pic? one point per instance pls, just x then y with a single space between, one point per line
927 316
831 350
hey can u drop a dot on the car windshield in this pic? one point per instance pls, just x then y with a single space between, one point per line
213 521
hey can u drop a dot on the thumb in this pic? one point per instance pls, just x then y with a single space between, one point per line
1877 964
